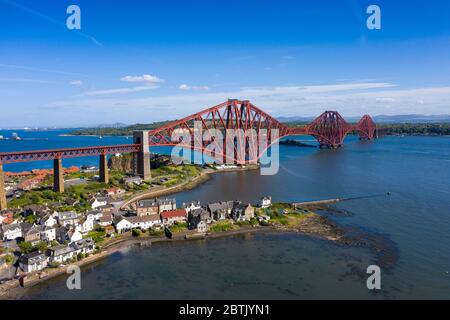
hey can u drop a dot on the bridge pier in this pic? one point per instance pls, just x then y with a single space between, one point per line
141 161
58 175
3 202
104 174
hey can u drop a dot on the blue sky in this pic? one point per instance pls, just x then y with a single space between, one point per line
145 61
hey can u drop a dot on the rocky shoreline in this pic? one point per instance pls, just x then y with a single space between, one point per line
315 226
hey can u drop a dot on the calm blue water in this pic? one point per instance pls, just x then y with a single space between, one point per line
414 221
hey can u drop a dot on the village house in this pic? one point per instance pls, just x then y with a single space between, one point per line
196 216
32 262
96 214
170 217
48 234
68 218
105 221
67 234
130 181
48 221
243 212
265 202
83 246
97 202
166 205
145 222
109 231
86 224
30 233
220 210
71 202
106 209
10 231
6 217
33 209
74 235
191 206
122 224
147 208
114 191
60 253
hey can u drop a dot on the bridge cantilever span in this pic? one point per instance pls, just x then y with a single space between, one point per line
40 155
329 129
57 155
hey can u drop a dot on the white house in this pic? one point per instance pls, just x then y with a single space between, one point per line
61 253
32 262
74 235
48 221
265 202
145 222
11 231
86 225
68 218
97 202
84 246
104 221
123 224
191 206
48 234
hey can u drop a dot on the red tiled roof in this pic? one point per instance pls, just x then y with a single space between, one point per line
173 214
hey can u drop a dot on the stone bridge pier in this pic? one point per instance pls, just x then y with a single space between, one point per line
3 203
141 161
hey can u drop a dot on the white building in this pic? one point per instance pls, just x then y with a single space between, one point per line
86 225
61 253
122 225
74 235
48 234
265 202
48 221
68 218
97 202
143 223
191 206
32 262
11 231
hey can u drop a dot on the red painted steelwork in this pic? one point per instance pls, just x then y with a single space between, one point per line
38 155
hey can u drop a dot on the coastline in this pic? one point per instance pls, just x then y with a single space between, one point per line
184 186
12 290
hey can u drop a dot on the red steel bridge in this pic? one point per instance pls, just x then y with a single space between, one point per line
329 129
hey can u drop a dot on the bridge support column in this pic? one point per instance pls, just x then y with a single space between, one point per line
58 176
104 175
3 202
141 163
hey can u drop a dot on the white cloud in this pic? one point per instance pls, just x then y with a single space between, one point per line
116 91
77 83
186 87
146 79
350 99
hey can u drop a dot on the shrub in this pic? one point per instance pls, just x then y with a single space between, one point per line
136 232
9 259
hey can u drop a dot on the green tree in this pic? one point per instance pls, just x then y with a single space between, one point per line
41 246
25 247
